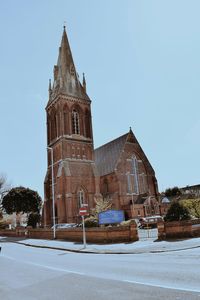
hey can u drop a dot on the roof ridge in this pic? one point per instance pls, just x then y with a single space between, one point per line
126 134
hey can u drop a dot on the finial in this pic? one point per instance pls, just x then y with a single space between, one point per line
49 84
64 26
84 82
50 90
130 129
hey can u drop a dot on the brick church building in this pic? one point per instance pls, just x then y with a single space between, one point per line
118 170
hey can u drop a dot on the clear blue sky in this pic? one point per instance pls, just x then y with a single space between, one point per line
142 66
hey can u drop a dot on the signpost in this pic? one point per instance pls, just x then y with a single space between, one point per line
83 212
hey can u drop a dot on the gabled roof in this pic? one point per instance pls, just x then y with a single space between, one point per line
106 156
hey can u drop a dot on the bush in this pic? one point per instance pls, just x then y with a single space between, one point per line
128 222
33 219
170 192
193 206
91 222
177 212
3 225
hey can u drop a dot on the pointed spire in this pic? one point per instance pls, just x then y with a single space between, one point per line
130 136
49 84
50 90
84 83
66 80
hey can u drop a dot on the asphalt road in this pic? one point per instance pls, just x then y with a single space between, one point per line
33 273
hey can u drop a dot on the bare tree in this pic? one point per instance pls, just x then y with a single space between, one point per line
102 204
4 187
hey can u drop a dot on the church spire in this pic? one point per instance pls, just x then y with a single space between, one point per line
66 79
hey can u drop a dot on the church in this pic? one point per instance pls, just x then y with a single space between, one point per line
118 171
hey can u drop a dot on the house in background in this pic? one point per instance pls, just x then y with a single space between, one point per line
14 220
191 190
118 170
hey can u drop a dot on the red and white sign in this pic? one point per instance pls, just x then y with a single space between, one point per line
83 211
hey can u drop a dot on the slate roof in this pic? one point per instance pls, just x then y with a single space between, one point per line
140 200
106 156
165 200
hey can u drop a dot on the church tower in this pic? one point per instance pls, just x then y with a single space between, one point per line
70 138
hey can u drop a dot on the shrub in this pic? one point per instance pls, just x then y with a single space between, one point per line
170 192
193 206
128 222
91 222
3 225
177 212
33 219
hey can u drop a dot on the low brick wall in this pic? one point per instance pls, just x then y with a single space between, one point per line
161 230
8 232
178 229
93 235
40 233
196 228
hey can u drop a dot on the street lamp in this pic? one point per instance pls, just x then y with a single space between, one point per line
52 186
130 188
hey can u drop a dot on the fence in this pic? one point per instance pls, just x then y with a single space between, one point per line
148 233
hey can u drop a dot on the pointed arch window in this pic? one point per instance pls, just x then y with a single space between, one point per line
65 121
66 124
81 198
105 186
54 127
143 183
87 124
132 177
75 122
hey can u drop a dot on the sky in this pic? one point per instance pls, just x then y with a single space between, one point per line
141 60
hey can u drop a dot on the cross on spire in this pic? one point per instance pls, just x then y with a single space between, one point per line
64 26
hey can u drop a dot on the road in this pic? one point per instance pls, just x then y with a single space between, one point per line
36 273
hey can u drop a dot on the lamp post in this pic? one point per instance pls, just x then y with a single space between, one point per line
53 198
134 174
130 188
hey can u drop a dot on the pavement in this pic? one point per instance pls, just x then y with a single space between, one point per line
149 245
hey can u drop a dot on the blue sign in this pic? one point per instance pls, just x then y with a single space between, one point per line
111 216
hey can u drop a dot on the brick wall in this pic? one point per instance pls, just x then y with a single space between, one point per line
93 235
178 229
196 228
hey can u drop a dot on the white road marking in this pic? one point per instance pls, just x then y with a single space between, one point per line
84 274
44 266
163 286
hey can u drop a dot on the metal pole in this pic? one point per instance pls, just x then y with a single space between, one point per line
130 189
84 235
136 174
132 206
53 198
